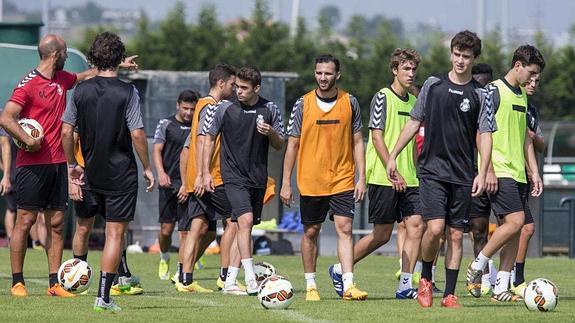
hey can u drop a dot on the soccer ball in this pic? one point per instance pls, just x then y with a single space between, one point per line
276 293
75 275
263 270
540 295
32 128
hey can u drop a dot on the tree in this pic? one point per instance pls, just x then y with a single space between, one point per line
492 53
329 18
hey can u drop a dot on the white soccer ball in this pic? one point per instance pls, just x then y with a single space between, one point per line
541 295
32 128
276 293
75 275
263 270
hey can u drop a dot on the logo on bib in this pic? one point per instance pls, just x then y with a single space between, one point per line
465 106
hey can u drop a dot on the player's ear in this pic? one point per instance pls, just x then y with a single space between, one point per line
257 88
337 75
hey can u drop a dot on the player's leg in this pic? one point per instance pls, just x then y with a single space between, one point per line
18 245
414 232
36 244
207 239
527 232
168 213
198 228
479 221
226 241
85 212
10 215
41 230
309 252
452 262
400 240
230 261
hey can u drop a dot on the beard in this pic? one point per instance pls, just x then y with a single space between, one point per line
330 85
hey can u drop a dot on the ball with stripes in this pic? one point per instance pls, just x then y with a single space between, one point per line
541 295
276 293
32 128
75 275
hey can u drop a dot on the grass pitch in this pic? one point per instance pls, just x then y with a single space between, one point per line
161 302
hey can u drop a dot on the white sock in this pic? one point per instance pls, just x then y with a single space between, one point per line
165 256
310 280
486 281
492 273
337 269
433 273
231 277
418 266
347 280
248 265
404 282
479 262
513 275
502 283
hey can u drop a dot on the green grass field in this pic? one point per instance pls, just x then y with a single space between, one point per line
161 303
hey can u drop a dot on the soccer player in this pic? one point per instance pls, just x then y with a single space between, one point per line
450 107
482 73
169 139
41 179
202 214
107 114
8 183
507 180
391 202
325 138
247 130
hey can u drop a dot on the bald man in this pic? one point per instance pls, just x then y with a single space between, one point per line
41 171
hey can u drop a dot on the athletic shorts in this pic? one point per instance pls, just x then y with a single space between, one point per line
10 199
116 208
170 209
480 207
444 200
192 209
42 187
511 197
218 201
387 206
244 199
88 207
314 209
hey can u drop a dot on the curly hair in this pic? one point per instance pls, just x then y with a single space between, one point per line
402 55
528 55
107 51
465 40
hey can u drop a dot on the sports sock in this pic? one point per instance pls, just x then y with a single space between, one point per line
418 267
426 270
433 269
519 273
450 281
248 265
123 269
188 279
232 276
53 279
337 269
83 257
310 280
492 273
17 278
180 268
181 276
502 283
223 273
165 256
485 281
404 282
400 262
106 281
347 280
480 261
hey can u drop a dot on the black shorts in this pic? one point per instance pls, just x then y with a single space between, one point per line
116 208
480 207
42 187
170 209
387 206
10 199
192 209
218 202
511 197
444 200
88 207
314 209
244 199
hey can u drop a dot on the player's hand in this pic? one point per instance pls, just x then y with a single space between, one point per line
76 175
531 134
208 181
75 191
149 177
130 63
286 195
199 188
400 185
182 194
164 180
491 182
391 170
359 191
264 128
478 186
5 185
34 144
537 185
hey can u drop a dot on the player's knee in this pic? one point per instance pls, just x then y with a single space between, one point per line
311 232
415 230
455 237
83 231
165 231
435 230
528 230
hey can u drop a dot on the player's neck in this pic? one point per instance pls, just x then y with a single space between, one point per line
252 101
398 88
460 79
326 94
179 118
511 79
215 94
46 68
108 73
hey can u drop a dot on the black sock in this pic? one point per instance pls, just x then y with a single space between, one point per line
426 269
106 281
84 257
223 273
519 273
53 279
188 279
450 281
180 272
17 278
123 269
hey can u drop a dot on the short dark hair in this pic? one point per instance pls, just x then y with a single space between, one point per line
221 72
465 40
188 96
107 51
326 58
402 55
251 74
528 55
482 68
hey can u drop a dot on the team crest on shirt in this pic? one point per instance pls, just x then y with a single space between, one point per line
58 87
465 105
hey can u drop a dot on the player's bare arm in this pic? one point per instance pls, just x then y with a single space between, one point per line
199 189
9 121
286 195
141 146
484 148
407 134
163 177
182 192
531 162
208 152
5 184
359 159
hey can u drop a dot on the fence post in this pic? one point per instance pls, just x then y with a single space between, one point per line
571 201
